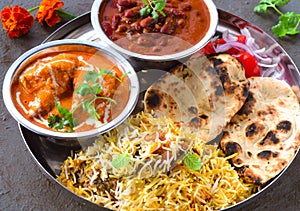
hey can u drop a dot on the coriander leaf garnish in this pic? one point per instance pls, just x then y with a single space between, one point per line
153 7
90 89
91 76
93 90
288 22
121 161
192 161
89 107
84 89
65 119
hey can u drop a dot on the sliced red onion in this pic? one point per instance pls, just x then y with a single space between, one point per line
228 37
260 51
226 46
267 65
274 73
245 31
214 39
269 72
250 41
271 48
265 56
263 61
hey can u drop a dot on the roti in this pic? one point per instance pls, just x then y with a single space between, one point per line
203 94
265 132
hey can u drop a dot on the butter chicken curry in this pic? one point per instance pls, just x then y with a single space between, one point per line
72 91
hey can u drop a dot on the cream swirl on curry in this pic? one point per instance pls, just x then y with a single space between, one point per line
72 91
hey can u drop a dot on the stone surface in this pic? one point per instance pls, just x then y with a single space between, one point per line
23 186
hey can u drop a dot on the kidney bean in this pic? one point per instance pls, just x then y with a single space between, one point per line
131 47
135 26
145 41
145 30
147 22
156 49
120 8
114 3
181 22
107 29
115 21
161 20
186 7
130 36
121 28
126 20
169 5
127 3
165 29
132 12
163 41
157 28
113 38
169 27
178 13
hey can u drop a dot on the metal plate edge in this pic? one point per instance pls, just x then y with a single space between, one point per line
69 31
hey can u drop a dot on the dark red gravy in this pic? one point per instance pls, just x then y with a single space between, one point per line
185 24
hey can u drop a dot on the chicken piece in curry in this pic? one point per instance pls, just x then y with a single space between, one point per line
53 81
49 79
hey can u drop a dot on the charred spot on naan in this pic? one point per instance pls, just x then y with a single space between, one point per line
270 112
154 99
248 106
255 129
250 175
265 129
198 122
255 175
212 89
267 155
193 110
219 90
284 126
230 147
270 139
215 61
223 64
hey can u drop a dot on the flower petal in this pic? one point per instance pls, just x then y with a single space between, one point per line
16 20
47 12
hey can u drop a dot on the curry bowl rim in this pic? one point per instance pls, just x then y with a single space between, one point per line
15 68
214 19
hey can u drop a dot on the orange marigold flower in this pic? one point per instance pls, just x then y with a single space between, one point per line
16 21
47 12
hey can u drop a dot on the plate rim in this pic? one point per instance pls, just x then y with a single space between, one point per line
84 19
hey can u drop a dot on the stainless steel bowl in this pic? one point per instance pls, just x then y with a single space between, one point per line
143 61
66 46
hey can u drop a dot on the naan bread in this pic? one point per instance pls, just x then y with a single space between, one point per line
202 95
265 132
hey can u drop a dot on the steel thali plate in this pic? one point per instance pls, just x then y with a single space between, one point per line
50 155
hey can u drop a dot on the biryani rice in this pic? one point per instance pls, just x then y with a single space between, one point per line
215 186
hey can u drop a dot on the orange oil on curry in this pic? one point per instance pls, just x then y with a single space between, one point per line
23 98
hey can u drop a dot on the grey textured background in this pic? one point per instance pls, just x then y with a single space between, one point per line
23 186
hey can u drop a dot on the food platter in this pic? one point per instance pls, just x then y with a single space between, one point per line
50 154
